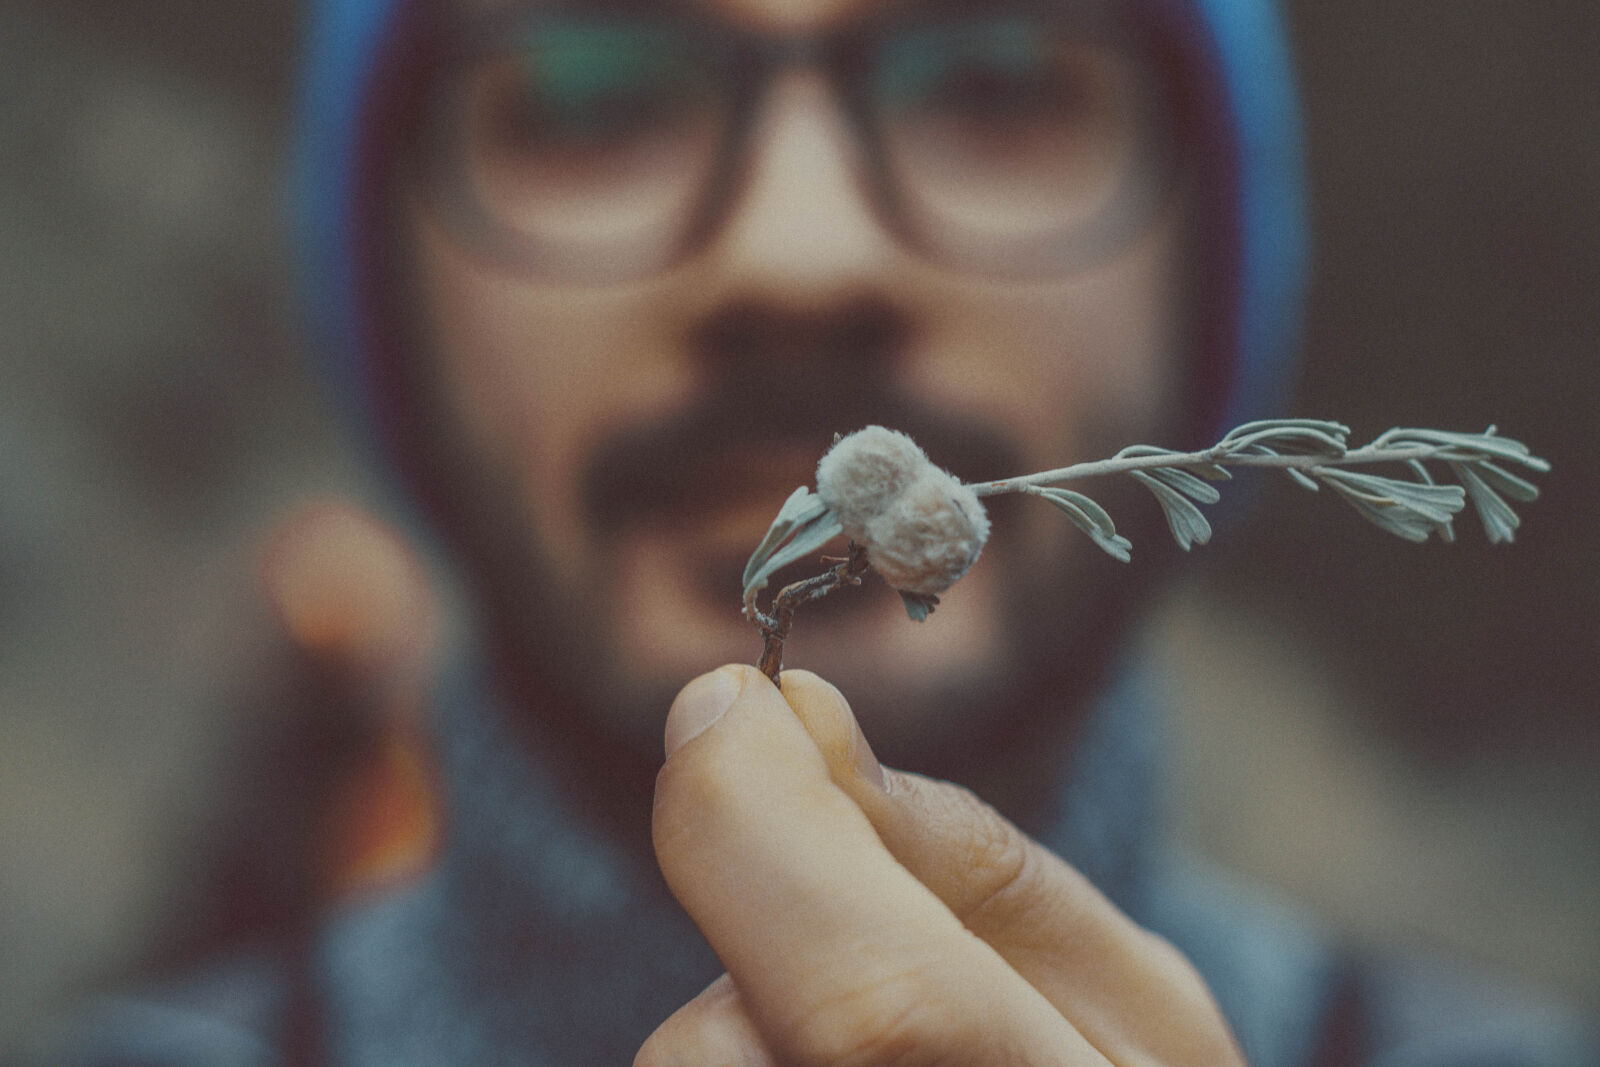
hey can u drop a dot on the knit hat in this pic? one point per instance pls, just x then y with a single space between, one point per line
1244 138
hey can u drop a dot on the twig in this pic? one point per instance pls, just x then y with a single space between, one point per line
775 627
1313 452
1206 456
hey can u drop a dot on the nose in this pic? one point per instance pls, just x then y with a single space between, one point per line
804 295
802 233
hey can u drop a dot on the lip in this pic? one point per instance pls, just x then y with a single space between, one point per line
724 533
762 470
733 493
705 483
676 472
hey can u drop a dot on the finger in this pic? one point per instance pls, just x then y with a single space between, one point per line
839 954
351 596
1129 992
712 1030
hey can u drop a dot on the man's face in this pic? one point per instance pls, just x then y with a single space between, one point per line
639 435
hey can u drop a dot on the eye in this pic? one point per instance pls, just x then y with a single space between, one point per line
986 78
583 132
1008 134
592 86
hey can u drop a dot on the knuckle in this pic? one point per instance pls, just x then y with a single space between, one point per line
900 1020
1000 865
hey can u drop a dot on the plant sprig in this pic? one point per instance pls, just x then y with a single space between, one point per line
1312 452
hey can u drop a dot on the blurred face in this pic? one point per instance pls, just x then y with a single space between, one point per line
666 254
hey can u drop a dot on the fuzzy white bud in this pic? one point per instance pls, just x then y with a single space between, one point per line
922 528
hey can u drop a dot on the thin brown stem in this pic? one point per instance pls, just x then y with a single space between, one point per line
775 627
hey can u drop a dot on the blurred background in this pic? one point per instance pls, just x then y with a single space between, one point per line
1405 738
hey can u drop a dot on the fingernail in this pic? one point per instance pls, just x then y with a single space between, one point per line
867 762
700 704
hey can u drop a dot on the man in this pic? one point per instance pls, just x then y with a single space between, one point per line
605 279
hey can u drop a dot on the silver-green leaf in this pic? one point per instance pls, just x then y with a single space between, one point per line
1189 527
1499 521
1188 484
1092 519
803 525
918 605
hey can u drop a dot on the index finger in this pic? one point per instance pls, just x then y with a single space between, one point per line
840 954
1128 991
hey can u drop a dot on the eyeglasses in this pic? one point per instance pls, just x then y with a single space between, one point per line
605 144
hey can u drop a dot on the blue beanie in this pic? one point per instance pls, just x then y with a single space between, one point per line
1250 175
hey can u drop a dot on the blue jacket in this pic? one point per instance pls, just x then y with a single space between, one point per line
533 940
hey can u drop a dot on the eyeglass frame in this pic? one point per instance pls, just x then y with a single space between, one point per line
749 63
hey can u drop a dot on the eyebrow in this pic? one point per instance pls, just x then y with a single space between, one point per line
483 18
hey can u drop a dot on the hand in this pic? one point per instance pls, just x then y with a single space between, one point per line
351 600
869 916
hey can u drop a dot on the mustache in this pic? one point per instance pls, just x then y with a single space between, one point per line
720 445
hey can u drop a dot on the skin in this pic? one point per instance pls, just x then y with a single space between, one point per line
865 915
537 379
869 916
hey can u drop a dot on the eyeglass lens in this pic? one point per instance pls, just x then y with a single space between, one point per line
590 134
1005 135
592 140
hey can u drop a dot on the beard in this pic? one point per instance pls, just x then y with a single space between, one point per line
1056 611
